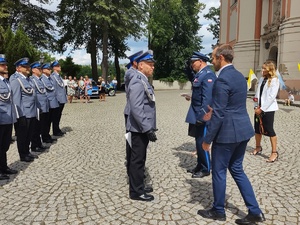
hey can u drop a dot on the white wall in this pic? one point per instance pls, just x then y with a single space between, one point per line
159 85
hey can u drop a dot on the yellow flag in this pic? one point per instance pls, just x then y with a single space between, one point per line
251 77
299 66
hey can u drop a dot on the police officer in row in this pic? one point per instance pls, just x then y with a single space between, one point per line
24 102
53 103
7 118
60 95
202 84
42 107
141 123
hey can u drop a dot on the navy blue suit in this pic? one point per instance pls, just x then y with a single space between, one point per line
230 130
202 84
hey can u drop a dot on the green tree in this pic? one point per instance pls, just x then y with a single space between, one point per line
68 67
214 27
173 27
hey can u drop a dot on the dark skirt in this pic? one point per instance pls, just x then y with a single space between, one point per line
265 124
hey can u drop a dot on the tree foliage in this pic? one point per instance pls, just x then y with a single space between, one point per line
214 27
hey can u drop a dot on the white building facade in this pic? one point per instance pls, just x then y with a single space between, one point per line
261 30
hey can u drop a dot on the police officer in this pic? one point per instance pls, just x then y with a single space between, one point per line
53 103
202 84
60 95
42 106
7 118
24 100
129 74
141 123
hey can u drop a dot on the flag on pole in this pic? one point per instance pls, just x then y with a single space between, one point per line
282 84
251 77
299 66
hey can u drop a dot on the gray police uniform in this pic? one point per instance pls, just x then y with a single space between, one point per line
141 119
61 98
7 118
43 111
53 106
24 99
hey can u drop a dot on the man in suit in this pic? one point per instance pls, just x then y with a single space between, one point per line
42 106
24 100
129 74
53 103
202 83
7 118
60 95
141 123
230 130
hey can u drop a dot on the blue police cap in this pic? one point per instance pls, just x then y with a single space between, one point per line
22 62
147 56
46 66
35 65
198 55
134 56
128 65
2 59
55 63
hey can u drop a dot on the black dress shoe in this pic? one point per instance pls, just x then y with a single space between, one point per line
52 140
27 159
251 218
4 177
148 189
212 214
143 197
9 171
195 170
32 156
60 134
39 149
200 174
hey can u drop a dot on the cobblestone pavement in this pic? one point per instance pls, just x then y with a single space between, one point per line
82 180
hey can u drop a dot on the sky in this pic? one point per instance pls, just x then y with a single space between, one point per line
82 58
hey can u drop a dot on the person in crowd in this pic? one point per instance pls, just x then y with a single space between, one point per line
229 131
141 123
114 83
24 100
42 106
53 103
60 95
81 88
265 108
71 84
129 74
101 86
7 119
87 89
290 99
202 83
65 80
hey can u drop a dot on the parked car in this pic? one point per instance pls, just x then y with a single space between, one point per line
110 90
95 89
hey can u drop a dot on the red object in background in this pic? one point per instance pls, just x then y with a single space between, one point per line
255 99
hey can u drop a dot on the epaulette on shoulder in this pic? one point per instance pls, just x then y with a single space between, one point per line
139 76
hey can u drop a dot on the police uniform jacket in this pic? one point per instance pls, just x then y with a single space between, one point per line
141 100
59 88
50 91
129 74
7 112
202 85
24 96
42 100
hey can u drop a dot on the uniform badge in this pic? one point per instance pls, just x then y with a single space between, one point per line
196 80
209 80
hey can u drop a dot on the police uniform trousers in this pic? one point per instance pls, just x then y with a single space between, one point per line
231 156
203 157
56 119
39 126
24 135
52 116
128 149
139 143
5 140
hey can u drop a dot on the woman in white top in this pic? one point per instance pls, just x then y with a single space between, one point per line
265 107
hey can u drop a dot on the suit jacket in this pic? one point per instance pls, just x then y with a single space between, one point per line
268 96
60 89
230 122
141 100
50 91
24 96
202 95
7 112
42 100
129 74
